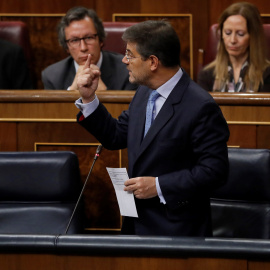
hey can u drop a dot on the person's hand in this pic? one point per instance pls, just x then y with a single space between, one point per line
74 83
142 187
87 81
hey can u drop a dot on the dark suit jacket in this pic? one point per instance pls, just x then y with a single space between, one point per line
114 73
206 80
185 148
14 70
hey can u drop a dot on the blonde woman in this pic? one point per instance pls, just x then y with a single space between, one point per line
241 63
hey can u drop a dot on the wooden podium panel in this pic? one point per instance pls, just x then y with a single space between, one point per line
84 262
248 117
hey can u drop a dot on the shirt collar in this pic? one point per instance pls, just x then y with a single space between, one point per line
165 89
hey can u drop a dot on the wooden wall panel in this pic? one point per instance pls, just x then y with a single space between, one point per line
217 7
256 265
42 6
60 261
199 10
8 136
242 136
263 136
44 41
105 8
182 24
31 132
10 261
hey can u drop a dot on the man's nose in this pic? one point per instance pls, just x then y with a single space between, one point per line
83 45
125 60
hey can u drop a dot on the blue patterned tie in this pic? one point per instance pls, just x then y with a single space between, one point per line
150 110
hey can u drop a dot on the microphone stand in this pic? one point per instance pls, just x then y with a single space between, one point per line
98 151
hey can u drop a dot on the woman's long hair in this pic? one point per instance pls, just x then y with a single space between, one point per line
257 48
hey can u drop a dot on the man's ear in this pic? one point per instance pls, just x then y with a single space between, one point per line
154 62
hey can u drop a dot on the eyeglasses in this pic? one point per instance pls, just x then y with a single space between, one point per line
129 57
75 42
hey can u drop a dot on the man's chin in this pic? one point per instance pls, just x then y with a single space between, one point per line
131 79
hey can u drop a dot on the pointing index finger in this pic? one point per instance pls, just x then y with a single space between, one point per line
88 62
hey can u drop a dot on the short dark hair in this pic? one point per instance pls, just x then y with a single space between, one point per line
155 38
77 14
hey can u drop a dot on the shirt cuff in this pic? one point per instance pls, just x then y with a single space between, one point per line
161 198
87 108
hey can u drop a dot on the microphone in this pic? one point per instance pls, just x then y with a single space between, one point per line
98 151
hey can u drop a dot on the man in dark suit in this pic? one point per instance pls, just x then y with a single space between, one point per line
14 70
183 157
81 32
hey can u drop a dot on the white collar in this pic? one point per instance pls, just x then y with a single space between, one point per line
166 88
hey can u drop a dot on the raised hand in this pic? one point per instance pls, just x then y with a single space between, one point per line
87 81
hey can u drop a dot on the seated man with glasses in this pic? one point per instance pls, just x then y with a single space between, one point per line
81 32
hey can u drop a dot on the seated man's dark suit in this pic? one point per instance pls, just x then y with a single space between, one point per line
114 73
14 70
186 148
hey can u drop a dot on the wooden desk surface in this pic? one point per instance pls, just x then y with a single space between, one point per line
53 104
59 104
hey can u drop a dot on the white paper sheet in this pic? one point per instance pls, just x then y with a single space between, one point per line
125 199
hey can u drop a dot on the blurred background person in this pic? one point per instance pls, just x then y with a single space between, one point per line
241 63
14 70
81 32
